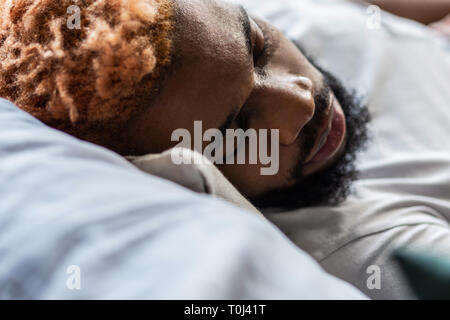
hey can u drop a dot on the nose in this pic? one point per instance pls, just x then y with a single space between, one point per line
285 103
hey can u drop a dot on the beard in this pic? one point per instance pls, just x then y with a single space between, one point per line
331 186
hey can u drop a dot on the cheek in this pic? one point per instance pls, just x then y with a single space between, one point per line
249 180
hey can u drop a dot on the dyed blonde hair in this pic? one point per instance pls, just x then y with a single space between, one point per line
87 79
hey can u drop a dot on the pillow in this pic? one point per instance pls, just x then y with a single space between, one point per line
194 172
80 222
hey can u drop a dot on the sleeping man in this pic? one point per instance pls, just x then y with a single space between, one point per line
128 78
126 74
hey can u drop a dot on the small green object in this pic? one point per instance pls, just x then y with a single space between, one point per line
428 274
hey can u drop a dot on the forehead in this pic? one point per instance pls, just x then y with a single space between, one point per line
211 73
209 28
212 67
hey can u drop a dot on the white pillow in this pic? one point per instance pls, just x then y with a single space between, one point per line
69 206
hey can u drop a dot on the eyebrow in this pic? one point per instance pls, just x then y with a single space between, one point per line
244 20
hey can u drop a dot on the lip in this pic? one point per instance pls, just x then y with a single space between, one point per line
331 138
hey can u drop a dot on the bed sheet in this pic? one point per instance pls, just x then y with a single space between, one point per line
80 222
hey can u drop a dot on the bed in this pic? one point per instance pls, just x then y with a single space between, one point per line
80 222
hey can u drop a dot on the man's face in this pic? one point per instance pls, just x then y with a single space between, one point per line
233 71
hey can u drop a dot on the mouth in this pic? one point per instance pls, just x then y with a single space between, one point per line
330 139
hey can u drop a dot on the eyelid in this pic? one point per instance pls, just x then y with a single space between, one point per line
265 54
257 34
238 118
229 121
242 120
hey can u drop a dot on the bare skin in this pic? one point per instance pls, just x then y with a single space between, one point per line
220 75
424 11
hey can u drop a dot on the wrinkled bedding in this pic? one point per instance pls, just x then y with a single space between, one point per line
402 198
80 222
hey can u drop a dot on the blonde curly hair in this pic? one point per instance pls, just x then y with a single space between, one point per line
88 79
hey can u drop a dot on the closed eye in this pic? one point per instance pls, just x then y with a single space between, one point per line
258 39
259 47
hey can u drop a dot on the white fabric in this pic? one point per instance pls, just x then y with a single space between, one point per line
194 172
67 203
403 195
